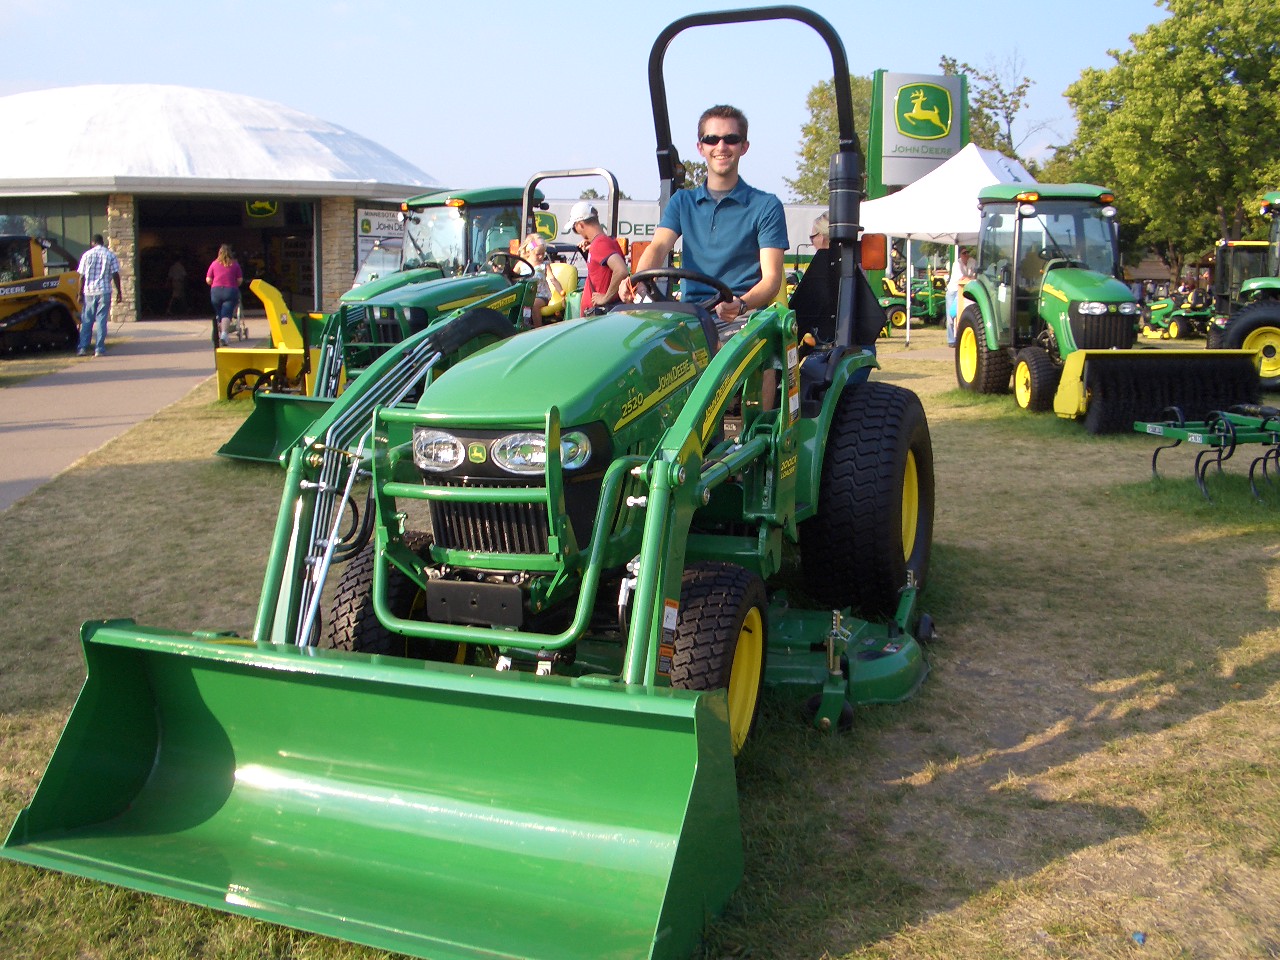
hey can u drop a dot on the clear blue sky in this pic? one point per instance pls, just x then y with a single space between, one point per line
482 92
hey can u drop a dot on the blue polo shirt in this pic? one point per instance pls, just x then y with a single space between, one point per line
724 239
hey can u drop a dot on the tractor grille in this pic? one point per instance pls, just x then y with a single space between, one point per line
357 324
519 528
1112 331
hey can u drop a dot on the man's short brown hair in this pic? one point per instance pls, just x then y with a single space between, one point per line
724 112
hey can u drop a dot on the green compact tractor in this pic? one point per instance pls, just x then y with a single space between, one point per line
494 712
1175 317
456 252
1253 322
928 300
1047 307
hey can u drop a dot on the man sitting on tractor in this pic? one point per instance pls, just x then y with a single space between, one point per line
731 230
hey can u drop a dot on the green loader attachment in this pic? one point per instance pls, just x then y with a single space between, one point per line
449 813
524 593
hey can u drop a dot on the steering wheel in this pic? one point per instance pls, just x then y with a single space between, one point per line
500 261
723 293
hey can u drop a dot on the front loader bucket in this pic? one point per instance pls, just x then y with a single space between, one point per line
437 810
1112 389
275 424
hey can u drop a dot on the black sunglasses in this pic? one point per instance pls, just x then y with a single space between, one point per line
732 139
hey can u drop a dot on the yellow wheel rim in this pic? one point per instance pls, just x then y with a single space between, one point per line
1022 384
898 317
1266 340
744 677
968 355
910 506
1173 329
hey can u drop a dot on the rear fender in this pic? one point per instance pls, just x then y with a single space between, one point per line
979 293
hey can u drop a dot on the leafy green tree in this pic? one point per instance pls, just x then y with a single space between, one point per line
820 136
997 94
591 193
695 172
1183 126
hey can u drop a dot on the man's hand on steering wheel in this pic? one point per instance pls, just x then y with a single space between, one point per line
724 304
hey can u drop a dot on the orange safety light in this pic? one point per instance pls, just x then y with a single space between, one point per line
1029 197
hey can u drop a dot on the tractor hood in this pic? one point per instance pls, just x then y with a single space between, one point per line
613 368
393 281
440 293
1068 284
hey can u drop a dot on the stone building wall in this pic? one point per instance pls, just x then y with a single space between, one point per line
337 255
121 235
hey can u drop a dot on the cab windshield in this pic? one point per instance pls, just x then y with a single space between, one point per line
1073 231
458 239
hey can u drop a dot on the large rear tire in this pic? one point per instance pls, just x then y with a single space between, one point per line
1035 379
1257 327
979 368
354 626
874 522
721 639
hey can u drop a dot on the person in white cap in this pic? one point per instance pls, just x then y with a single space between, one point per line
606 266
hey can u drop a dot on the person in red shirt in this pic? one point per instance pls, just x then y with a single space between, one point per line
606 266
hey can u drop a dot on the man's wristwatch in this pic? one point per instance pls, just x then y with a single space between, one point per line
742 304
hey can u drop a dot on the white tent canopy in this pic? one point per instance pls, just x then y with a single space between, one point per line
942 206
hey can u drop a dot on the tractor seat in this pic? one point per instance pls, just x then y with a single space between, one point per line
566 275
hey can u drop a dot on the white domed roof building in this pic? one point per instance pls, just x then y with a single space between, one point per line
168 173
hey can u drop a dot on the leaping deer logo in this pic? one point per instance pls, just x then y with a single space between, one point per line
918 112
929 117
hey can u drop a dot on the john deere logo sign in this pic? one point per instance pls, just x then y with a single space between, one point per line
262 208
923 111
476 452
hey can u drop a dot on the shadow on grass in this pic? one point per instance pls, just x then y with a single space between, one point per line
924 806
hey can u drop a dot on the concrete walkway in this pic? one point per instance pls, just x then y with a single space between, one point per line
50 422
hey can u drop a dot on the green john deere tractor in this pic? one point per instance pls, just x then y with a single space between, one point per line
1178 316
1047 307
1253 321
496 716
456 252
928 299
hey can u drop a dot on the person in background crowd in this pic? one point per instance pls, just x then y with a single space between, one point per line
224 277
98 269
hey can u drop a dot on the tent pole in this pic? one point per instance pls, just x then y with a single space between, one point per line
907 290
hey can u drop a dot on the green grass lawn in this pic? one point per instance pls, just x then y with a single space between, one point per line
1094 755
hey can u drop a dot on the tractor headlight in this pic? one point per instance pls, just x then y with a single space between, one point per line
1129 308
437 451
1092 308
526 453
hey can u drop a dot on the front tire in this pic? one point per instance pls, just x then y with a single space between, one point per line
721 640
353 624
1257 327
897 317
978 368
1035 379
874 523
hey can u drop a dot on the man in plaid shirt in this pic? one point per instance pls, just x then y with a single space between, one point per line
98 269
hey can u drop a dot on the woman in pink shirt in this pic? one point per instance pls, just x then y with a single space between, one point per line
224 278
